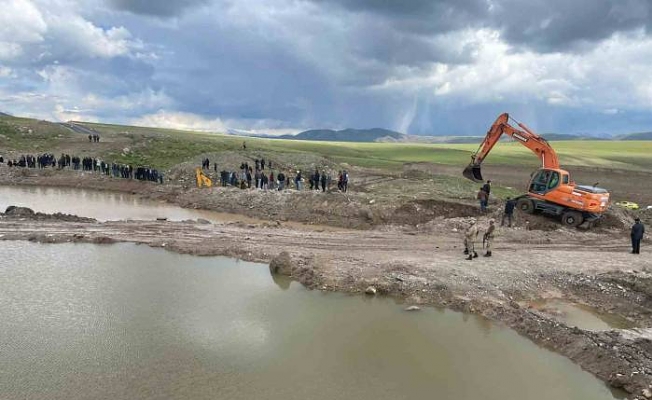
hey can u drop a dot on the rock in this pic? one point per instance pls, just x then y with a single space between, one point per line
19 211
370 290
203 221
281 264
413 308
366 214
647 393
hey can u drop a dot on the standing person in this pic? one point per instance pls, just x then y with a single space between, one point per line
316 177
259 179
487 188
489 237
324 178
272 181
345 181
483 197
281 180
509 212
297 180
638 230
469 240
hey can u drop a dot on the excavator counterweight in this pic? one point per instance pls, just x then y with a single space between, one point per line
551 189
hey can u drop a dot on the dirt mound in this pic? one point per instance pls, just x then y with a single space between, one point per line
15 211
422 211
615 218
28 213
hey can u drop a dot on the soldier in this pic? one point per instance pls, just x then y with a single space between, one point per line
469 240
489 237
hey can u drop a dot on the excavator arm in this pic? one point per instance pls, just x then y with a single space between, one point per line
538 145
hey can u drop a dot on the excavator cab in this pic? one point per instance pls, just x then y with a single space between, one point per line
544 181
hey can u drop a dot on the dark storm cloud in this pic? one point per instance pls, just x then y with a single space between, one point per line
542 25
420 16
162 8
553 25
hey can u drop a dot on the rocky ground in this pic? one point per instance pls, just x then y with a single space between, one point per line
407 246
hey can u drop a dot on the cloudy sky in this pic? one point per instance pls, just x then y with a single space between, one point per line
440 67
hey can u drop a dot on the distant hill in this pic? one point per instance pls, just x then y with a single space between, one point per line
636 136
4 115
563 136
385 135
347 135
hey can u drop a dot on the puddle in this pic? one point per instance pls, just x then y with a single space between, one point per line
580 315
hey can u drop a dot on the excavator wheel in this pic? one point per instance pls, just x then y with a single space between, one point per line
525 205
572 219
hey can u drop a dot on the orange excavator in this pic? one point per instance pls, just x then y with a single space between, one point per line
551 190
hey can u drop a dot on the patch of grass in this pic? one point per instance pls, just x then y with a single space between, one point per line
30 135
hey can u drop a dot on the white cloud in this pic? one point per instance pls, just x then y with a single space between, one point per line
21 22
5 72
498 73
180 120
74 34
49 30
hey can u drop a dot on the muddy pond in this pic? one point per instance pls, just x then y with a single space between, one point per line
103 206
121 321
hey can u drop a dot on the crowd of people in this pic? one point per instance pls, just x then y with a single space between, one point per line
91 164
261 176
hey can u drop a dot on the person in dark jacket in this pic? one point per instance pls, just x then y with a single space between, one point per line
638 230
509 212
487 188
324 180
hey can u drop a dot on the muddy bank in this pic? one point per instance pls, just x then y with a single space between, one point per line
352 210
429 269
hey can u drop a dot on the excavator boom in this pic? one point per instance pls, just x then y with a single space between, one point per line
538 145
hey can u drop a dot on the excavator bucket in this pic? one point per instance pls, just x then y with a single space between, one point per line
473 172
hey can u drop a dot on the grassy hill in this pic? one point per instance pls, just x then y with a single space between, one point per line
165 148
637 136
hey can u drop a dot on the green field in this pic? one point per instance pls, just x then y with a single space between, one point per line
164 148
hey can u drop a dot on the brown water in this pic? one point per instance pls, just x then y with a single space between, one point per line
114 206
581 316
103 206
130 322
